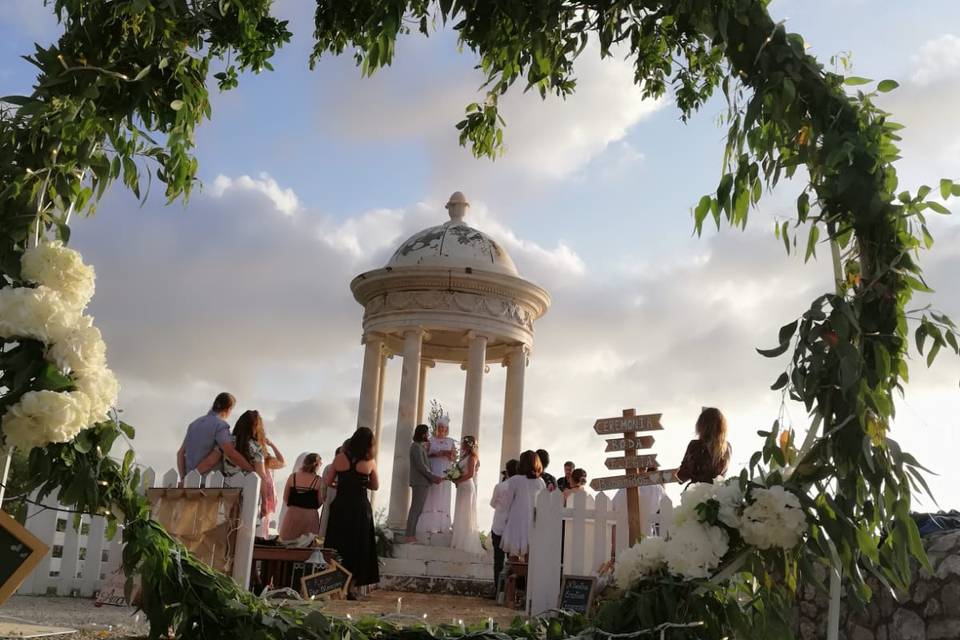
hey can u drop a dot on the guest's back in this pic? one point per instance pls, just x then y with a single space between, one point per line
708 456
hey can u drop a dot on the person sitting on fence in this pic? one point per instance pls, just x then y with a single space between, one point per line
566 481
206 437
521 498
708 456
303 495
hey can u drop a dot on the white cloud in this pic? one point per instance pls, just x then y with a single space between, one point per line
284 200
545 139
937 60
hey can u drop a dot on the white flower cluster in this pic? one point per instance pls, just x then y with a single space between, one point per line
693 548
775 519
52 313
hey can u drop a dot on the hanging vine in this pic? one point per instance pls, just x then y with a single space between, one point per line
119 96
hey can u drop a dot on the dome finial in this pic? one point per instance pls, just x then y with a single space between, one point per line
457 206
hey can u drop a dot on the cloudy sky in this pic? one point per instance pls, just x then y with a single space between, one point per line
313 177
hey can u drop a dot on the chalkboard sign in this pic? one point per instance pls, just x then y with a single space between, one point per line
331 582
20 552
576 593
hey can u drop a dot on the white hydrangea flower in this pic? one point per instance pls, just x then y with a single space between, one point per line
102 389
693 495
35 313
42 417
730 498
81 348
638 561
694 549
61 269
775 519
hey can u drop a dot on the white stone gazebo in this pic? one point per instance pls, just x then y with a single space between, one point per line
450 294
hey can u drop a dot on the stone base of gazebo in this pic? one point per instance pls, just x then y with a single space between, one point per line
431 566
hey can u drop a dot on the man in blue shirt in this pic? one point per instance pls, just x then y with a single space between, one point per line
205 435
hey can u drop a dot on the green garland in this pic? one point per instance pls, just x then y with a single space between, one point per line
125 86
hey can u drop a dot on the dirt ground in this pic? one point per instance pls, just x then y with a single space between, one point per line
125 622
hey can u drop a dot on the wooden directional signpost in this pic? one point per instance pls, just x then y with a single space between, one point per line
640 469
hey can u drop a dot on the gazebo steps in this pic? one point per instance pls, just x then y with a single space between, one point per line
433 568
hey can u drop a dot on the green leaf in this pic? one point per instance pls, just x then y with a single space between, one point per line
887 85
945 187
176 105
939 208
781 382
855 81
776 351
142 74
812 242
786 331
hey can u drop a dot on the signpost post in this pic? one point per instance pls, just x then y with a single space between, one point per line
635 466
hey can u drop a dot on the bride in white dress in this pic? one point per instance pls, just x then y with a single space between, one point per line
466 535
435 517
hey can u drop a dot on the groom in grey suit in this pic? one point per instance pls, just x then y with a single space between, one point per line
421 477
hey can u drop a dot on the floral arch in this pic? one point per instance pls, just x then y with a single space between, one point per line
119 95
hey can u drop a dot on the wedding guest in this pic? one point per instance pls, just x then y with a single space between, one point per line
466 534
421 479
303 494
272 460
708 456
548 479
577 484
564 483
250 441
521 498
207 435
330 491
651 499
351 530
500 508
442 451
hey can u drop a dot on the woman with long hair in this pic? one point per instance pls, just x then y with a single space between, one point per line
442 452
302 497
521 497
350 529
466 534
250 440
708 456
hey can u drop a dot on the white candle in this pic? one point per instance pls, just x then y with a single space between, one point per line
399 604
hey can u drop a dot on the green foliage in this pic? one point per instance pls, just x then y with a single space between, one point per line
13 499
120 94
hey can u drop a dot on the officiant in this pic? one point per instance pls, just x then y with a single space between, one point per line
442 452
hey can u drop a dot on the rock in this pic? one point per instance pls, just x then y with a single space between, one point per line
950 596
882 633
907 625
808 631
886 602
944 629
943 543
950 566
921 591
931 609
861 633
809 610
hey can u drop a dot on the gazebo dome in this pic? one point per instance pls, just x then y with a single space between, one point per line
453 244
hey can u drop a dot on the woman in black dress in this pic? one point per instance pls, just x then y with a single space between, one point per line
350 529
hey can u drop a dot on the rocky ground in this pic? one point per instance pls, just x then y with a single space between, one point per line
124 622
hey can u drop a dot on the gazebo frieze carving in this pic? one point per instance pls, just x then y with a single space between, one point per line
492 306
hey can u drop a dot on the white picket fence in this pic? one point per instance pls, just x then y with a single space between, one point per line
589 533
80 559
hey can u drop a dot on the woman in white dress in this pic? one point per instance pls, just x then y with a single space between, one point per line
466 535
435 517
521 495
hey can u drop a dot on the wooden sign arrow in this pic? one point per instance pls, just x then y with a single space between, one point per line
622 444
641 480
632 462
647 422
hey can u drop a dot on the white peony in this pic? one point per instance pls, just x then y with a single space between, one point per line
638 561
695 494
101 388
61 269
694 549
81 348
41 417
775 519
730 498
35 313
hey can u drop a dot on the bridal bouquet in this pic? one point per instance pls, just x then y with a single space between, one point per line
453 473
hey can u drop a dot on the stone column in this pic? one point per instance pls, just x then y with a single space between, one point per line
378 429
406 416
510 442
473 391
422 391
368 411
